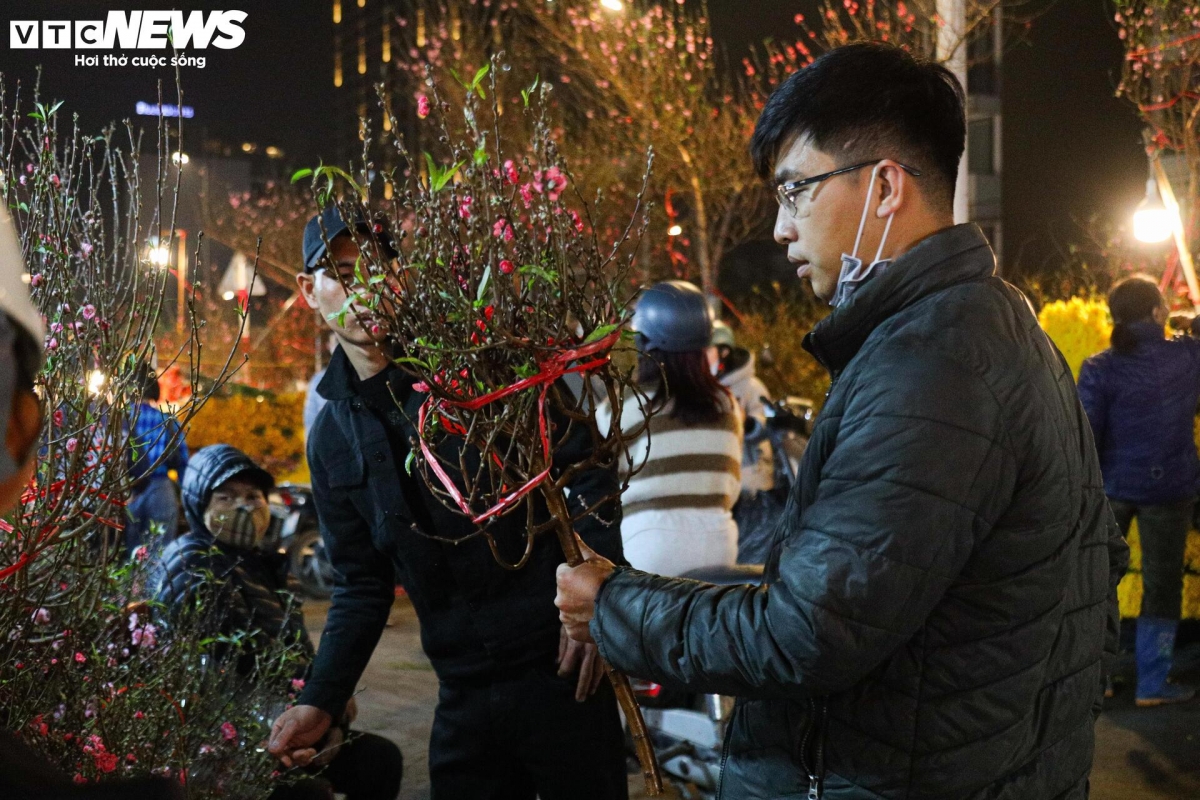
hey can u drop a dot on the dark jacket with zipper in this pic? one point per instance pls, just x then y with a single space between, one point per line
1142 406
941 589
477 618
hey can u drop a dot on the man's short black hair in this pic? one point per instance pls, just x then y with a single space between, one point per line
866 101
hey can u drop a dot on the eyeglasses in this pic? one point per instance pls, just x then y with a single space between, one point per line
786 193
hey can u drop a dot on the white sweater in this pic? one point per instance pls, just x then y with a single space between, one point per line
676 511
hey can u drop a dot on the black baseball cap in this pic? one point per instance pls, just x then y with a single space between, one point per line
334 225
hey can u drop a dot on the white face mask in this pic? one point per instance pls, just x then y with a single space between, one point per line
854 273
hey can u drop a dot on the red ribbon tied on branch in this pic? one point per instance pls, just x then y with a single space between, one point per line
549 371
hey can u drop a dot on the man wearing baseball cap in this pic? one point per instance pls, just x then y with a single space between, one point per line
522 712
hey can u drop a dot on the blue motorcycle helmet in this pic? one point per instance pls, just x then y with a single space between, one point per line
674 317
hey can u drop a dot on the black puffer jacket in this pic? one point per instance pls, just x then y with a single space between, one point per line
943 578
250 586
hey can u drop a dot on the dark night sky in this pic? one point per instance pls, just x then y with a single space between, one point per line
1071 148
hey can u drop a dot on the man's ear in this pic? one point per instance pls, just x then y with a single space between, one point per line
895 188
307 286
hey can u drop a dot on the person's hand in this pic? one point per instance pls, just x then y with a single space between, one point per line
585 658
330 747
577 590
295 733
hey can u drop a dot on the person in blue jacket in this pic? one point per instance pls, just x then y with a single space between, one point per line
1141 397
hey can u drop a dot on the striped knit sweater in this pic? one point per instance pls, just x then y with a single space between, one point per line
682 466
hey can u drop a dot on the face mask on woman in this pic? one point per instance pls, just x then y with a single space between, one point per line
243 526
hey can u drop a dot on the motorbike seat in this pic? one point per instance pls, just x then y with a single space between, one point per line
731 575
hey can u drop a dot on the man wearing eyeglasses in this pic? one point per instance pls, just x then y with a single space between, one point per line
941 592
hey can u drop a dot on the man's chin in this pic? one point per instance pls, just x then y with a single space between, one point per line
823 289
357 337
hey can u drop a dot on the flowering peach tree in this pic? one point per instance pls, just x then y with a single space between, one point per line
502 287
88 678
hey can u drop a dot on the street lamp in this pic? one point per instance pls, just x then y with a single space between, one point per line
675 230
1152 220
1159 211
96 381
159 255
612 5
179 158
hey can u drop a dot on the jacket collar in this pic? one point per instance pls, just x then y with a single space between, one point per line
1147 331
947 258
339 383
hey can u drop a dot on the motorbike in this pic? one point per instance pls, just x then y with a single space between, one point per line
788 426
300 539
687 730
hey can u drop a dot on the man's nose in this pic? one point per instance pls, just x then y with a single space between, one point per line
785 230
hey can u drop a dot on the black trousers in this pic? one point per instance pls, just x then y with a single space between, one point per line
368 767
522 736
1163 531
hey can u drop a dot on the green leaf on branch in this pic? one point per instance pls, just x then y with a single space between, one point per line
600 333
414 361
545 274
527 93
440 176
483 283
476 83
301 174
480 157
408 462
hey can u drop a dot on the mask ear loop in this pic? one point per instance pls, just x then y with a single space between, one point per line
882 241
862 222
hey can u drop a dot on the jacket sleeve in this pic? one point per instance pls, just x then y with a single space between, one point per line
364 590
1094 399
601 530
919 471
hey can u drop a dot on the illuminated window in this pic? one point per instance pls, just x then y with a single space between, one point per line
386 55
337 61
420 27
337 12
362 50
362 3
388 191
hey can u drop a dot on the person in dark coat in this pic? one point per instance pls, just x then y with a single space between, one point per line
225 502
1141 397
522 712
941 589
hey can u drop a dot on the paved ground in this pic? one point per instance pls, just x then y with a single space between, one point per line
1141 754
1149 753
